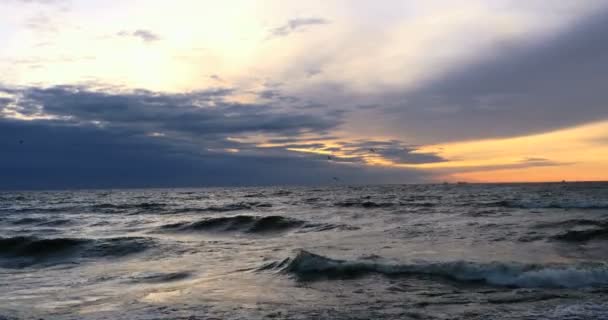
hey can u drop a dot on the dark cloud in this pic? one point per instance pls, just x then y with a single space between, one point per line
296 24
288 140
55 155
198 113
275 94
4 102
143 138
361 150
144 35
392 150
535 85
304 146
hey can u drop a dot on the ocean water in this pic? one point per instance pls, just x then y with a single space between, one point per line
475 251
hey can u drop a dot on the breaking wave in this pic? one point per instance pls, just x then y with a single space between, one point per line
32 246
35 249
227 207
240 223
252 224
310 266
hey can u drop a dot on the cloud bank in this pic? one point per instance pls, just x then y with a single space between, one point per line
73 136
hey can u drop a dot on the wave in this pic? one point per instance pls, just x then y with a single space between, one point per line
32 246
56 223
42 222
521 204
35 249
129 206
254 195
159 277
251 205
253 224
240 223
28 221
40 209
163 207
238 206
282 193
310 266
319 227
367 204
583 235
364 204
572 223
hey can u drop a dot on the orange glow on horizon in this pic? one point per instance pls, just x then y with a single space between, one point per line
573 154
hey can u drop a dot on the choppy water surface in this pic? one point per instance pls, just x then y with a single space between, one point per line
533 251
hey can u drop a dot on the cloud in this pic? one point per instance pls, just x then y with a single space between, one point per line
394 151
194 114
55 155
522 164
41 22
77 137
363 151
142 34
215 77
56 6
297 24
537 85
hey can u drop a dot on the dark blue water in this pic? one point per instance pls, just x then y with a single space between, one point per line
528 251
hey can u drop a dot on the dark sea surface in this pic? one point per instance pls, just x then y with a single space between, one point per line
517 251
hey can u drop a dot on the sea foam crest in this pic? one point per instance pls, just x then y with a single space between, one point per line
308 265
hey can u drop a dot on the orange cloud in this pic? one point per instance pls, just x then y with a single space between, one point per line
579 153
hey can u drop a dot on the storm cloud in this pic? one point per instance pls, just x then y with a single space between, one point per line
78 137
516 89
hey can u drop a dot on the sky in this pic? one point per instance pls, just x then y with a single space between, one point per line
186 93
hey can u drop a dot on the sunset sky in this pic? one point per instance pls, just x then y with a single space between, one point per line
137 93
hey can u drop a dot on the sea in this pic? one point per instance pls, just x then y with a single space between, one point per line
434 251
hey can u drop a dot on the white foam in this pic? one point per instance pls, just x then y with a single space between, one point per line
495 273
